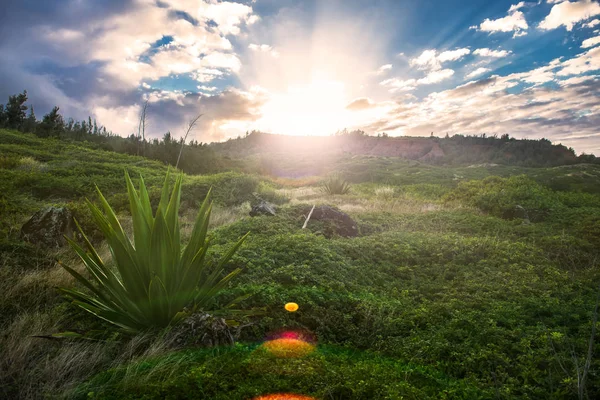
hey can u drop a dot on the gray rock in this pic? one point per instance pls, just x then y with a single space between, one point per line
47 227
263 208
201 330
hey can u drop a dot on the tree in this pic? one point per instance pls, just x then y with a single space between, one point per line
15 110
52 125
2 116
30 122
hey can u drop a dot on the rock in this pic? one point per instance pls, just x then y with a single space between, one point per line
518 212
47 227
336 221
263 208
201 330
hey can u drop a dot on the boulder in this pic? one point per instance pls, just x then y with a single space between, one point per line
201 330
336 222
47 227
263 208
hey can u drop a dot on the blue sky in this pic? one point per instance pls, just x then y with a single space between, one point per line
405 67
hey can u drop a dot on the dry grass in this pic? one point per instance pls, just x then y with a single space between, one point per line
38 368
297 182
33 368
220 216
383 202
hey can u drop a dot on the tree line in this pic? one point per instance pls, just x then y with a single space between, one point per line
196 157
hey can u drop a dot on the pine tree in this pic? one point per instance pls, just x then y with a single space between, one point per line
52 125
2 116
15 110
31 122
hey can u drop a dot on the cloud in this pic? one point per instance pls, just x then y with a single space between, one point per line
514 22
404 85
264 48
569 14
362 103
477 72
568 112
591 24
591 42
453 55
582 63
485 52
436 77
432 60
383 69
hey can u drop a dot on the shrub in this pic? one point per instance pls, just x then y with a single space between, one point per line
385 192
156 280
335 185
500 196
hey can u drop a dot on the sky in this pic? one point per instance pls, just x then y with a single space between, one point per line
312 67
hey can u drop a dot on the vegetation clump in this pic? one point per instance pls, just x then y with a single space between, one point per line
335 184
156 278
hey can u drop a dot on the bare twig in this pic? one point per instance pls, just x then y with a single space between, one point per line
588 359
142 128
191 125
307 218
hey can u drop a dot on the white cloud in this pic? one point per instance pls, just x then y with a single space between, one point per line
514 22
477 72
264 48
436 76
383 69
569 14
208 88
195 49
582 63
123 120
516 7
591 42
485 52
533 111
453 55
432 61
591 24
228 15
396 84
427 60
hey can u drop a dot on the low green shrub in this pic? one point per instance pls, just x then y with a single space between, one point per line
247 371
501 196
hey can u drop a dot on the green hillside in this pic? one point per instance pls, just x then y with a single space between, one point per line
447 292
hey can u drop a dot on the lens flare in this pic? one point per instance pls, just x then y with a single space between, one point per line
288 348
291 307
284 396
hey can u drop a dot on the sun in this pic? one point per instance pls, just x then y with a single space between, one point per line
316 109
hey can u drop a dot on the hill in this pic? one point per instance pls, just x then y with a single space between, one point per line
446 292
455 150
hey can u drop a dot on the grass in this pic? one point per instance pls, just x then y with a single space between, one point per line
442 295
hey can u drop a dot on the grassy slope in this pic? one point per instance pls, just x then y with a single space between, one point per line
436 298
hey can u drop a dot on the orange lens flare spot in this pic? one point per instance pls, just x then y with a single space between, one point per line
291 307
284 396
288 348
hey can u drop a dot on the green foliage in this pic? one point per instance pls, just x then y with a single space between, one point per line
335 184
500 196
248 371
156 278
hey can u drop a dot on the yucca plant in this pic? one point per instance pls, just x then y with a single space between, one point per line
335 184
154 282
